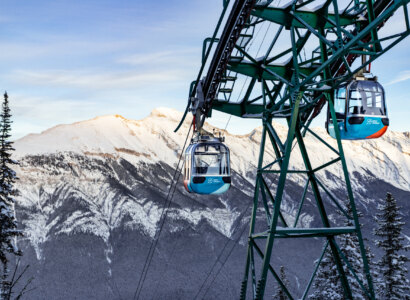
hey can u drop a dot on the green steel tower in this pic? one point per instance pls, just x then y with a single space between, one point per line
288 59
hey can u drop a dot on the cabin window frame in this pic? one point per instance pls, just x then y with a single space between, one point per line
222 157
371 94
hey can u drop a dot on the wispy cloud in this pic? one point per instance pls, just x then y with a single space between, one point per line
161 57
403 76
40 113
97 80
59 47
48 108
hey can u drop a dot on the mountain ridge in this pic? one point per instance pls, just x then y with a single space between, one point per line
114 134
91 195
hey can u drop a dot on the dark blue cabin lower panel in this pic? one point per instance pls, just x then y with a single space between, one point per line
211 185
371 127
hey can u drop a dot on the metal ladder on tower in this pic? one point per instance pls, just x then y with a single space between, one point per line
229 78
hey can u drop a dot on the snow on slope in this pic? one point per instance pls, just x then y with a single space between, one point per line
152 139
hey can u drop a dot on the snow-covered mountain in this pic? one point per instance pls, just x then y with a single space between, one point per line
91 195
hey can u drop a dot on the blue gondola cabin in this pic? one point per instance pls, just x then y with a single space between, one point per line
207 169
360 111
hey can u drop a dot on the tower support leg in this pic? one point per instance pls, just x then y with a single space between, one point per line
277 224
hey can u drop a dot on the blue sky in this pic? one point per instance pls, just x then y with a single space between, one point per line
65 61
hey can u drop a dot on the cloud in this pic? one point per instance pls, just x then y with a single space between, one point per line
35 114
97 79
48 47
403 76
171 57
31 108
146 58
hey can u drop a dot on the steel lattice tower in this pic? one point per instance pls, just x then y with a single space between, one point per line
342 39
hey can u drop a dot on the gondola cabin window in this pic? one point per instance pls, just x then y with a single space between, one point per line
367 98
360 111
211 160
340 103
187 169
207 168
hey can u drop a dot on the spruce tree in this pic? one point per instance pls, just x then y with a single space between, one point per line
392 270
280 294
8 224
373 268
349 244
327 283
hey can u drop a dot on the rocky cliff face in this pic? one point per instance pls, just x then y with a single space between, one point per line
92 194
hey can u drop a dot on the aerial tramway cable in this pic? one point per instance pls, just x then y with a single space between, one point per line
246 80
222 251
307 85
162 219
220 255
245 225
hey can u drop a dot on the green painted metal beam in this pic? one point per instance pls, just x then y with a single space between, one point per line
283 17
291 232
315 271
278 199
266 72
275 275
299 83
249 258
239 109
323 214
351 197
352 271
305 189
326 230
265 185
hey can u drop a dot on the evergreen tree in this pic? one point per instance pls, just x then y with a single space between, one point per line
8 224
373 268
349 244
280 294
327 283
393 283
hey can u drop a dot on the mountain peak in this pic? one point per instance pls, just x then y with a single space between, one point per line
152 139
120 117
165 112
111 134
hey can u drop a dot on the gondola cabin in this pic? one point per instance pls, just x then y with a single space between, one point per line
360 110
207 169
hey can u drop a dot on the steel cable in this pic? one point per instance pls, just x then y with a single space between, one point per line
245 226
220 254
164 213
246 80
